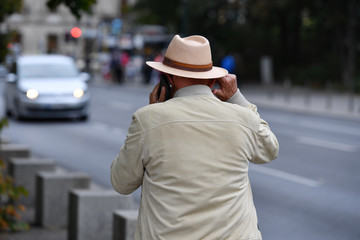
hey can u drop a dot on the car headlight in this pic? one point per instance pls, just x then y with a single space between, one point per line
32 94
78 93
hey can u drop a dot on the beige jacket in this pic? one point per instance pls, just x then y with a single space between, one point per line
191 156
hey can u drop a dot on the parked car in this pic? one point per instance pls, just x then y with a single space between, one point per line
46 86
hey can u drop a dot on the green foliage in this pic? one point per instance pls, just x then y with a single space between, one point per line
8 7
4 122
306 39
161 12
4 41
75 6
10 218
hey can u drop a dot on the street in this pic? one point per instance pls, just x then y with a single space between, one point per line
310 192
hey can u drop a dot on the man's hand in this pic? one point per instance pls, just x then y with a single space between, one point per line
228 87
153 95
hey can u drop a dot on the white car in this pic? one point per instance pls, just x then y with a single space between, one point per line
46 86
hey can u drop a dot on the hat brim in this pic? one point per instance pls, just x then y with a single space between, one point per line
215 72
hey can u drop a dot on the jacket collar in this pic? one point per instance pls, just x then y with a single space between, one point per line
193 90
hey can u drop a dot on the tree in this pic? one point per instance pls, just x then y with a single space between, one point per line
309 39
7 7
76 6
344 17
162 12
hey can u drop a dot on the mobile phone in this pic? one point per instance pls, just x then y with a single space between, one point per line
164 82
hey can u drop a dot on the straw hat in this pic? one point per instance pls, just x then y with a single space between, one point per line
189 57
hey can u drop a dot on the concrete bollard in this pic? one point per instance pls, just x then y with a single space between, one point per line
90 216
8 151
124 224
24 171
52 190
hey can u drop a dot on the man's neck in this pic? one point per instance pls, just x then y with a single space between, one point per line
182 82
193 90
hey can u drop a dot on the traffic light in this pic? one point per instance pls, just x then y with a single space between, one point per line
73 35
75 32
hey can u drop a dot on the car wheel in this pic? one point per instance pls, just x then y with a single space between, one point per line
84 118
8 112
7 109
15 114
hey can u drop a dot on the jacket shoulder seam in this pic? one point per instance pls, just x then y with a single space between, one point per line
195 121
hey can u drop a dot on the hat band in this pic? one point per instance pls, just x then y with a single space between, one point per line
188 67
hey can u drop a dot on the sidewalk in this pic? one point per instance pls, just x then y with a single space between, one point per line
301 100
35 232
277 98
296 99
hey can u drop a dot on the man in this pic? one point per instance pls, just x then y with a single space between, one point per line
191 153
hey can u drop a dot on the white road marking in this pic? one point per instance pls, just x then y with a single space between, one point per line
330 127
326 144
286 176
350 130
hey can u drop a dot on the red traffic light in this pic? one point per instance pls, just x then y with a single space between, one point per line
75 32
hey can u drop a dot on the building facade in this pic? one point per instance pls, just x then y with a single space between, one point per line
40 30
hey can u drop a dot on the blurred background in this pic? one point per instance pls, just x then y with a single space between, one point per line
308 43
297 60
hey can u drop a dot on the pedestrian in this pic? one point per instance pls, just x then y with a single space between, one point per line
116 68
191 153
228 62
124 61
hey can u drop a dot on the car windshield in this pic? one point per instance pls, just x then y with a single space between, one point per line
48 71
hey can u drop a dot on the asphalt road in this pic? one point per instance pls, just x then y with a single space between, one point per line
310 192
